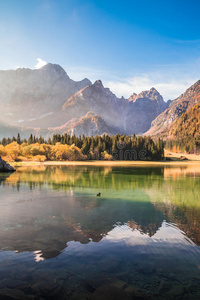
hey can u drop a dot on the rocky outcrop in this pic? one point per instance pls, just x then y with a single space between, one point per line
4 167
142 110
90 124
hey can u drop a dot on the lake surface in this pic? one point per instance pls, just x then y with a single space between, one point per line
140 238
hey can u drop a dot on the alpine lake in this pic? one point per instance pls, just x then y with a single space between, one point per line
139 240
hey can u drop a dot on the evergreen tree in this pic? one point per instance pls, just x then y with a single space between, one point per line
18 139
119 146
30 139
4 142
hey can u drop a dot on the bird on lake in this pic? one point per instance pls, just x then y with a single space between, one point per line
99 194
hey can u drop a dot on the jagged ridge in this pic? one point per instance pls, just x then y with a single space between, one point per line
162 124
46 100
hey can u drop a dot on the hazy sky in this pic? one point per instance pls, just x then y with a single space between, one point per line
130 45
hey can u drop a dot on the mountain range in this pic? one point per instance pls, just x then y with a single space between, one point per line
46 101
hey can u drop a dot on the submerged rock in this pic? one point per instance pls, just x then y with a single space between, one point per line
4 167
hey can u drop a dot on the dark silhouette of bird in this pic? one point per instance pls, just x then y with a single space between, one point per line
99 194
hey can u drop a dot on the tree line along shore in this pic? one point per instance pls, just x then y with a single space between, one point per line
188 144
80 148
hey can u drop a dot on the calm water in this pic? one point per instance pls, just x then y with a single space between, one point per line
59 241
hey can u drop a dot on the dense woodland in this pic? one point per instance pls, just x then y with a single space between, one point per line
185 132
66 147
189 145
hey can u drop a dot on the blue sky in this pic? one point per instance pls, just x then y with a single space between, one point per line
130 45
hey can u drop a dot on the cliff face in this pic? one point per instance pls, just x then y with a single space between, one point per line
162 124
143 109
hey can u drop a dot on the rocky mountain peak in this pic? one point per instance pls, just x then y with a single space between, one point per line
98 83
194 88
50 66
54 69
48 98
151 94
196 83
86 82
154 90
191 95
133 97
31 94
175 109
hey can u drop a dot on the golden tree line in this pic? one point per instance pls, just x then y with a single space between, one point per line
66 147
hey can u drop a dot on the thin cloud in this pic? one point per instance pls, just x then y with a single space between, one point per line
40 63
17 67
170 84
78 73
168 88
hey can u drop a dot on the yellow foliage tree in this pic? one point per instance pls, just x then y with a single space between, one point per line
2 151
13 150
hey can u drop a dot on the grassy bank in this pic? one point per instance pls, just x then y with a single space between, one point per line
174 160
105 163
176 156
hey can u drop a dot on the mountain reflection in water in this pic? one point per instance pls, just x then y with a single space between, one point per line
143 230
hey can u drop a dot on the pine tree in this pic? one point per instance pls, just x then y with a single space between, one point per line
30 139
4 142
18 139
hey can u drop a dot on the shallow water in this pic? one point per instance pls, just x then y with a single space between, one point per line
59 241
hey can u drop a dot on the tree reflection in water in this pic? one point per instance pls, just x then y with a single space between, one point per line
145 223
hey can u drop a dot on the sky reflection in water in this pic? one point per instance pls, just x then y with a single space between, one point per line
143 230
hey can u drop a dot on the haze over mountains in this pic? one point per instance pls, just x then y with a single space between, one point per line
46 101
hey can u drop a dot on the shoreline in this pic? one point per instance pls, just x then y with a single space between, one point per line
105 163
191 159
176 156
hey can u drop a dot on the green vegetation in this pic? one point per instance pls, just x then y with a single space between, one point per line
184 145
66 147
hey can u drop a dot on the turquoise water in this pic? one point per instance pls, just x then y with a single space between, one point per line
140 238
